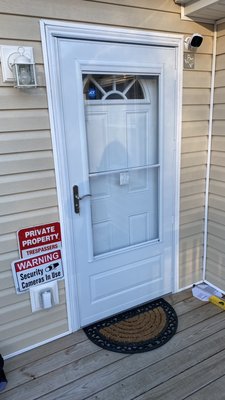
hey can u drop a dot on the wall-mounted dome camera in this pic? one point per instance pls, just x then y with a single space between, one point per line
193 42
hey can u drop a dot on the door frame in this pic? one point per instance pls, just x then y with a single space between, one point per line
50 32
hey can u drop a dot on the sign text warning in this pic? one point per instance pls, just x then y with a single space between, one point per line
37 270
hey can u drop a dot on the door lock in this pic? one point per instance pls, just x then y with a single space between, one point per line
77 198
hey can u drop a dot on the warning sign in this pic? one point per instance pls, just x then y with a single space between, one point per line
37 270
39 239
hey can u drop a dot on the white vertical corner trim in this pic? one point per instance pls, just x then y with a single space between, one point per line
209 151
177 147
50 32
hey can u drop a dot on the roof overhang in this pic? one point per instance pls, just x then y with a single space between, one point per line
205 10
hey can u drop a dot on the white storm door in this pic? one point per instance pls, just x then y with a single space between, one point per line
119 140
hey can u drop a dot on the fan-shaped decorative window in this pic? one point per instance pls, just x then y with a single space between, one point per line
112 87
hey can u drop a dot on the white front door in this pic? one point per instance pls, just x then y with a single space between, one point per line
118 103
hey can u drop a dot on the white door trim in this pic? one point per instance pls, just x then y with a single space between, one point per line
50 32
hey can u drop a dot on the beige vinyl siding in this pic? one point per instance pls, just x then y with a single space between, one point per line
27 180
28 196
215 266
194 146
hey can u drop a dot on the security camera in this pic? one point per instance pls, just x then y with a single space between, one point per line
193 42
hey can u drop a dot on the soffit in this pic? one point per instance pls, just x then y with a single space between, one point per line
212 10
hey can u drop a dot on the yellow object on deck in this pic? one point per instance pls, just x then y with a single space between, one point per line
217 301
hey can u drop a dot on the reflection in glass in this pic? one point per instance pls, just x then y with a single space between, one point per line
97 87
123 154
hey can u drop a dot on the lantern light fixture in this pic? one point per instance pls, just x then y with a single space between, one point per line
23 69
18 66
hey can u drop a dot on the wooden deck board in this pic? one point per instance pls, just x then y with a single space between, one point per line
45 350
174 367
191 364
51 363
213 390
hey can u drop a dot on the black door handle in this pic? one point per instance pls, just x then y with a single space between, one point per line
77 198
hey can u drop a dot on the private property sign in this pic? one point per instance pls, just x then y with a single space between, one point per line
37 270
39 239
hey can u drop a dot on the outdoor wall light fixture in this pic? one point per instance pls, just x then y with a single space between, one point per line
23 69
18 66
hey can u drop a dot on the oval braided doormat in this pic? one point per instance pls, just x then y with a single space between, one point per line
140 329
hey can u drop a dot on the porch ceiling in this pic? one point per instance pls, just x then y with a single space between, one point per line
212 10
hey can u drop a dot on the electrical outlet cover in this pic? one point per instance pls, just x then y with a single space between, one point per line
35 295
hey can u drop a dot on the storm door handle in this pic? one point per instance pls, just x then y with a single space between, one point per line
77 198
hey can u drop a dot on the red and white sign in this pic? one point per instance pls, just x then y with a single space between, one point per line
39 239
30 272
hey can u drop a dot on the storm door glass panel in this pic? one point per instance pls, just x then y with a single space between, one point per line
122 140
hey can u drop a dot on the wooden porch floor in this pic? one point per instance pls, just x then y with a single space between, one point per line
190 366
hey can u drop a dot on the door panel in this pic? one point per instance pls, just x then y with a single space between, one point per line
106 285
120 149
124 215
